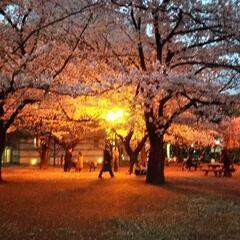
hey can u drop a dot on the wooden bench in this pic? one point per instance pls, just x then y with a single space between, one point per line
216 171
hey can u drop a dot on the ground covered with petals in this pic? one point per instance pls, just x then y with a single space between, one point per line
52 205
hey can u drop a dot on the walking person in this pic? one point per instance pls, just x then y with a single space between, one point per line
79 162
226 163
61 160
189 162
93 166
68 159
107 162
115 155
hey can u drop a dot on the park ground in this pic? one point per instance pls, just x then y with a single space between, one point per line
53 205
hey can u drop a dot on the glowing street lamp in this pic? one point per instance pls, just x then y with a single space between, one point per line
114 116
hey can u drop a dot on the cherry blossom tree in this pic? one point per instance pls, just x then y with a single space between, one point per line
69 119
179 55
131 131
183 63
230 133
61 119
186 135
37 44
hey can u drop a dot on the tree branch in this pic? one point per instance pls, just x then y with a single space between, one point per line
54 22
126 141
163 102
141 144
83 120
4 14
74 48
208 64
17 111
171 34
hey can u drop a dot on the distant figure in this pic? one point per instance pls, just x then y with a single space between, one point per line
226 163
140 169
93 166
143 157
61 160
107 162
202 158
115 155
79 162
189 162
68 160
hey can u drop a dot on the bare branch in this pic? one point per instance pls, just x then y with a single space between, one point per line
208 64
74 48
163 102
17 111
54 22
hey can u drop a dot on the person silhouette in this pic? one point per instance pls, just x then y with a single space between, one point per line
226 163
107 162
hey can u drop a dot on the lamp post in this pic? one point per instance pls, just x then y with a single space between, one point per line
114 117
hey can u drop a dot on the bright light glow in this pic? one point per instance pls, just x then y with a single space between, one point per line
114 116
33 161
100 160
168 150
35 142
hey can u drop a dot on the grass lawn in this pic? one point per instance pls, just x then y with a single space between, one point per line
52 205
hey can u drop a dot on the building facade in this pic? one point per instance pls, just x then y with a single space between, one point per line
21 149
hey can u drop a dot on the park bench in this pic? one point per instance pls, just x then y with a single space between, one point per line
218 171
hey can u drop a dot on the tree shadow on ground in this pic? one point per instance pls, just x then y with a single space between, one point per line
220 187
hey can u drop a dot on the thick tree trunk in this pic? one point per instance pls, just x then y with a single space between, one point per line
1 155
54 153
133 160
2 147
155 172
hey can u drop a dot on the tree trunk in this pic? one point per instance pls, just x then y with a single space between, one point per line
1 154
2 147
115 164
44 157
133 160
54 153
155 172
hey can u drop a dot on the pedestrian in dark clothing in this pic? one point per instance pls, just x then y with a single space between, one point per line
203 157
189 162
61 160
115 157
68 160
226 163
107 162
